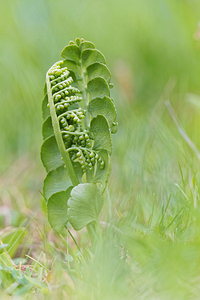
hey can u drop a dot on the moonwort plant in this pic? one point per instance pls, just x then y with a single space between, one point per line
79 117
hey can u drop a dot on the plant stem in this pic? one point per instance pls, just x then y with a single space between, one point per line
69 250
92 231
73 238
58 136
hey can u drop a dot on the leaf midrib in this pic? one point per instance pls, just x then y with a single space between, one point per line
58 136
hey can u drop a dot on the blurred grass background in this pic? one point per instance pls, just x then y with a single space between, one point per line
149 42
153 51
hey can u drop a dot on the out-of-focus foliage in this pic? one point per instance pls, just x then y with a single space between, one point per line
146 44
